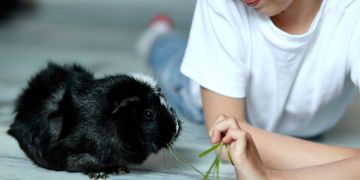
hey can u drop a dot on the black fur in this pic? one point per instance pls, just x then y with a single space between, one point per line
67 120
9 8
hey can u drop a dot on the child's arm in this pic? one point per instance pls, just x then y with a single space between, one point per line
277 151
249 165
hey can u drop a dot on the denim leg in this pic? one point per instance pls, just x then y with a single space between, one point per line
165 60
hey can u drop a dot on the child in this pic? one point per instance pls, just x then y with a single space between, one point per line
279 68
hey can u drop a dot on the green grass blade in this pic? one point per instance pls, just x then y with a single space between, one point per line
228 153
206 176
217 166
209 150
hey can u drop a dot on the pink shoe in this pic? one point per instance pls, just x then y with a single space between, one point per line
158 25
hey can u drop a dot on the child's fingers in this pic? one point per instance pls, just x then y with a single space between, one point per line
239 144
219 118
234 135
245 156
222 127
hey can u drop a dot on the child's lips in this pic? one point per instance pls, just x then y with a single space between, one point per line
252 3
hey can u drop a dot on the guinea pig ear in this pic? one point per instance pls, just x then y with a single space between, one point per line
125 102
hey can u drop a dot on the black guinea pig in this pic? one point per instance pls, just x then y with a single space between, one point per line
66 120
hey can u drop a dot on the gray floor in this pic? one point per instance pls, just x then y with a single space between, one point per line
101 36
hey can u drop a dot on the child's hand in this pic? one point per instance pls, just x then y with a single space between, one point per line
244 154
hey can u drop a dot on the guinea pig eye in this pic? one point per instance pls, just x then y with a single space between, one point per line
148 114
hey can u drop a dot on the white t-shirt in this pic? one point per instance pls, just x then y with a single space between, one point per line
298 85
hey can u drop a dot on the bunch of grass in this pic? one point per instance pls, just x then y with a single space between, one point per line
215 165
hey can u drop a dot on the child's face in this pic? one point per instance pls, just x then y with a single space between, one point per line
269 7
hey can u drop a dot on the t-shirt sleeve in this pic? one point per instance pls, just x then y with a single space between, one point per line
354 55
215 54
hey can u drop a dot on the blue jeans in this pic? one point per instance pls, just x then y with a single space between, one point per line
165 59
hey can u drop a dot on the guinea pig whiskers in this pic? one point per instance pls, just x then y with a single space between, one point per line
181 160
164 157
186 133
185 136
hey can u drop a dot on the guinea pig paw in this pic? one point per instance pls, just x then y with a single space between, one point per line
122 170
98 175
